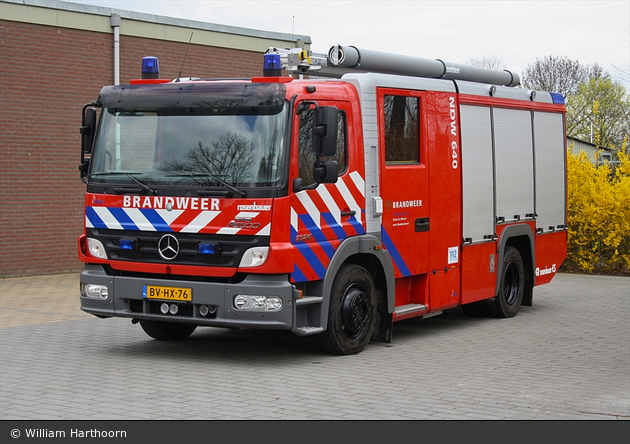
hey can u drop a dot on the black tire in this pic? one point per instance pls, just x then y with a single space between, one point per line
509 298
167 331
351 312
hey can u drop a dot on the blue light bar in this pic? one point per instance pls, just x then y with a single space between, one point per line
127 244
272 67
207 248
557 98
150 68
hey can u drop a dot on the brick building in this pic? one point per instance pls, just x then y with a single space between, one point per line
54 58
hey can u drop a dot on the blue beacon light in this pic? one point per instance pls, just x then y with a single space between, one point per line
150 68
272 67
207 248
558 98
127 244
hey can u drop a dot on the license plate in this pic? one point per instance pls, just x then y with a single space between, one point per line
167 293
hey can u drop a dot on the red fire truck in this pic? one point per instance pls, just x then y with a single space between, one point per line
333 196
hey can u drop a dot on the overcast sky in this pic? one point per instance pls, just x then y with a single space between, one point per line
517 32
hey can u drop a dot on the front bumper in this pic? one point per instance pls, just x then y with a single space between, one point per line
125 299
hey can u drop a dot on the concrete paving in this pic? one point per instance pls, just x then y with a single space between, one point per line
565 358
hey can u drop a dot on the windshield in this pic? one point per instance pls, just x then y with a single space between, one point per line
234 147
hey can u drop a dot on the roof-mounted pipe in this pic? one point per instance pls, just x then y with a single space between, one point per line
355 59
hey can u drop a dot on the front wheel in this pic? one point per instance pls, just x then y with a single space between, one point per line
351 312
508 300
167 331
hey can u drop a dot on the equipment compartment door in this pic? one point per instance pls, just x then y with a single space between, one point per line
404 180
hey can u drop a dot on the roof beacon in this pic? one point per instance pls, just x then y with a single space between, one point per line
150 68
558 98
271 65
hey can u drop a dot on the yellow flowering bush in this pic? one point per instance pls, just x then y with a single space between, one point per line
598 216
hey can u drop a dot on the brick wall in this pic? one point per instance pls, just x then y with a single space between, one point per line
47 74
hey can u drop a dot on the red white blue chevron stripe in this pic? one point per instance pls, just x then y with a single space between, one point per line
318 226
183 215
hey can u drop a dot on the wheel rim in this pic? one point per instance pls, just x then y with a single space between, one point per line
511 283
355 311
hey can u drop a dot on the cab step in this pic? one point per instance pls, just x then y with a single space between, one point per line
409 309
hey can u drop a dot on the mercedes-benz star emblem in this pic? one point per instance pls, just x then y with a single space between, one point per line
168 247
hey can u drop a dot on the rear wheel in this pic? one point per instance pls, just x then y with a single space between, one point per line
509 298
167 331
351 312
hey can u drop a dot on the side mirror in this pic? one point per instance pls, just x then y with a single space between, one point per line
325 131
326 172
88 129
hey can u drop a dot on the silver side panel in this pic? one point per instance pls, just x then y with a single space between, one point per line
367 94
477 173
549 146
514 157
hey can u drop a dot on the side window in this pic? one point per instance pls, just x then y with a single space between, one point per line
402 129
307 158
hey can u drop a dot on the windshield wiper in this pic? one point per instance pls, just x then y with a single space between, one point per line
144 186
232 188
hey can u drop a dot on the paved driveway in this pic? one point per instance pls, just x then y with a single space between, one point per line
567 357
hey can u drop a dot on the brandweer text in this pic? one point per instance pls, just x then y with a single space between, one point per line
171 203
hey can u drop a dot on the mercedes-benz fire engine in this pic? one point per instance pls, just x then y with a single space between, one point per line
333 196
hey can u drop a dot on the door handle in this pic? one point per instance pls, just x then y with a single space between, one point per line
422 224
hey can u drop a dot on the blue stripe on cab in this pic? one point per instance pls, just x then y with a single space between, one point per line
312 259
94 218
156 220
123 219
398 260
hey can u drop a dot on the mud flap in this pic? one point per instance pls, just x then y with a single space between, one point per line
384 327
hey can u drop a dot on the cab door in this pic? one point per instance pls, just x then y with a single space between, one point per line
323 216
404 181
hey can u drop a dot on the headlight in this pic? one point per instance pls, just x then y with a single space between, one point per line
254 257
96 248
257 303
94 291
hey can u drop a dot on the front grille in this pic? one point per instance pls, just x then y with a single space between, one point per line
230 249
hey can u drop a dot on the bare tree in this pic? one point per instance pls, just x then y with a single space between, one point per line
491 62
560 74
597 106
600 112
623 72
229 158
